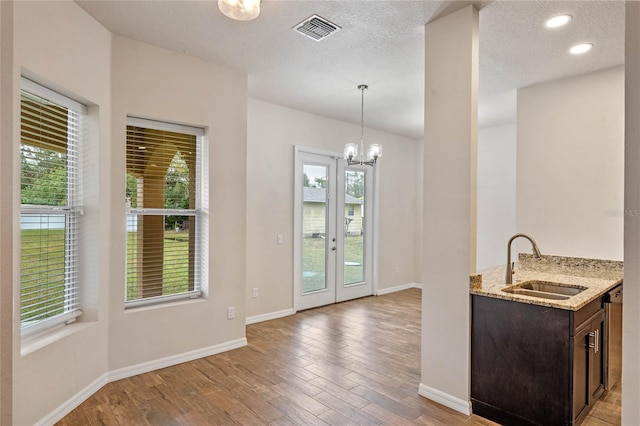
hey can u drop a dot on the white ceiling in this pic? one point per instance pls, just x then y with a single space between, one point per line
381 44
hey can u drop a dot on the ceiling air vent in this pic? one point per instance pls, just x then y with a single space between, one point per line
316 27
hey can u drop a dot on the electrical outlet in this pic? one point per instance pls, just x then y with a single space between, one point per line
231 312
396 270
255 293
280 239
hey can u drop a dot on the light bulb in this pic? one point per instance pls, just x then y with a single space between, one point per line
241 10
350 151
581 48
558 21
375 151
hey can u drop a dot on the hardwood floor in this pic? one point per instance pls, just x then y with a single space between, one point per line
356 362
608 409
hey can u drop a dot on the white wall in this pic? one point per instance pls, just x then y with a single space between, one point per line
449 205
272 133
496 193
63 48
155 83
570 158
60 46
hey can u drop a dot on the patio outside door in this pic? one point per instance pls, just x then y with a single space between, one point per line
333 230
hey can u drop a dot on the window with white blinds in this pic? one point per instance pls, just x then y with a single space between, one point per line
163 217
50 207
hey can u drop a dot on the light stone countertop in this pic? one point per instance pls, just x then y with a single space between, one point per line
598 276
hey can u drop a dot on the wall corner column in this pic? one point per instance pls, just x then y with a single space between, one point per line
631 315
449 205
6 211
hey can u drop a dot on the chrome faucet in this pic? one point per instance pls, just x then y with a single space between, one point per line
536 253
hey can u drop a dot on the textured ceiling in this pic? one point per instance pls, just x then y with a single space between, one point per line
381 44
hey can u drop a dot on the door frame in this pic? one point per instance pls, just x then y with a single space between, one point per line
297 221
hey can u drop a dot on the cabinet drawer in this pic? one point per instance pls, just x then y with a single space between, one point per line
584 314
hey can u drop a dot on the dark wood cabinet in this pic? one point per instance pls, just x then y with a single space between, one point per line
588 365
535 365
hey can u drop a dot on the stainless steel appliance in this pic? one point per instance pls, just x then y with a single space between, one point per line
613 353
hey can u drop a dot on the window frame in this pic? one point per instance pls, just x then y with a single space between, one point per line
72 210
196 212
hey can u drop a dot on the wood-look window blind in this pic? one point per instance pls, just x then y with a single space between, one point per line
163 217
50 207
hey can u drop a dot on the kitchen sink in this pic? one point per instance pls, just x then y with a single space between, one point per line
545 290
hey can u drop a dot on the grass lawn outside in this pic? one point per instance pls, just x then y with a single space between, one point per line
42 269
175 272
46 275
41 273
313 262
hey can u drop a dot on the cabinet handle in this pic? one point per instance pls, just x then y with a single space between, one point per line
593 344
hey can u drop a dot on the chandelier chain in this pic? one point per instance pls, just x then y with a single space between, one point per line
362 88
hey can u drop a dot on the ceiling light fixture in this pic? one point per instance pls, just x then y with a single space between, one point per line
240 10
581 48
351 149
558 21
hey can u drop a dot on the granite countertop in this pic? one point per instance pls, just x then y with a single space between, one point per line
599 276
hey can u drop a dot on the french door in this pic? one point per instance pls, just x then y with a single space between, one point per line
334 230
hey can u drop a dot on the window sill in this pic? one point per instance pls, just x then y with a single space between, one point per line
47 337
164 304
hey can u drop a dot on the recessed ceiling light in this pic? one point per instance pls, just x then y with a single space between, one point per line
558 21
581 48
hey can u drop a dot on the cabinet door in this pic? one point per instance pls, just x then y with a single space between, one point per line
596 369
588 366
581 394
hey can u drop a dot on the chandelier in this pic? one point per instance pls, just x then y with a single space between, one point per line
240 10
351 149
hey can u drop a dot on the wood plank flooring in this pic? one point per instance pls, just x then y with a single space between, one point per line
607 410
353 363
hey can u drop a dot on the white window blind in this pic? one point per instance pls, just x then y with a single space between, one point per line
50 136
163 217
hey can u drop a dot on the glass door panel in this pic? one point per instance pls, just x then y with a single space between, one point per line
354 226
354 258
314 228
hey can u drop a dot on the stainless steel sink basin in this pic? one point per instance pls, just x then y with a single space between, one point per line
545 290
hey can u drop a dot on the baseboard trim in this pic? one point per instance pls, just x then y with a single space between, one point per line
122 373
270 316
145 367
384 291
73 402
445 399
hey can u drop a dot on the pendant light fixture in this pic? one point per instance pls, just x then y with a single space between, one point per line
351 149
240 10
